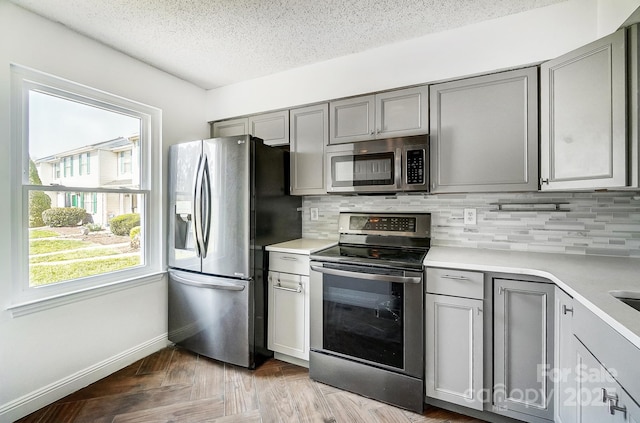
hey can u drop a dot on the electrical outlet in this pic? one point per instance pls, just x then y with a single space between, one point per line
314 213
470 216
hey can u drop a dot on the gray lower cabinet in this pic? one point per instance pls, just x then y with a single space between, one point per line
583 119
564 374
230 128
454 349
484 133
454 326
272 128
523 348
309 135
598 396
390 114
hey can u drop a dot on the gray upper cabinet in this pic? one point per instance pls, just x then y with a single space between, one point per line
230 128
583 117
352 119
309 126
484 133
273 127
389 114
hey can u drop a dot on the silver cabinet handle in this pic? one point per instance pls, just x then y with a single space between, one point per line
566 309
288 258
283 288
455 277
612 399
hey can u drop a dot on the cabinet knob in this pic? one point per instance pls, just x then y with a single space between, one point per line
544 181
566 309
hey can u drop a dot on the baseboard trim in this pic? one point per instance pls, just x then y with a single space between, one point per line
39 398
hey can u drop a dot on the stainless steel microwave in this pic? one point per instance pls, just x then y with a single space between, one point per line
379 166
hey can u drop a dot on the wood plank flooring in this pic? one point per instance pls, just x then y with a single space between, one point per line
175 385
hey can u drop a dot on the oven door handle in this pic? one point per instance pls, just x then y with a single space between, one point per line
367 276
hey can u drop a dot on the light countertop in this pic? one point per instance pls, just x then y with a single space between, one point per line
586 278
302 246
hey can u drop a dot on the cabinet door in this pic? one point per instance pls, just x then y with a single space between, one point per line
565 358
352 119
454 350
523 348
309 126
402 113
484 133
583 117
288 326
230 128
594 378
272 128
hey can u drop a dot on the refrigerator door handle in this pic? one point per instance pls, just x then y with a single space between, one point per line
218 285
197 212
206 197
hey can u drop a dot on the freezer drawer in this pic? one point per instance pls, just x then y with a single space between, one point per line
210 316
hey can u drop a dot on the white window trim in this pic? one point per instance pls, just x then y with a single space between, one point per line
25 299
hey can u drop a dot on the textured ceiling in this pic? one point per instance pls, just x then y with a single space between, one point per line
213 43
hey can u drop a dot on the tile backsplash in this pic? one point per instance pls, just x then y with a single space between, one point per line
599 223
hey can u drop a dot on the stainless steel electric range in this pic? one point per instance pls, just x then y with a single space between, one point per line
367 295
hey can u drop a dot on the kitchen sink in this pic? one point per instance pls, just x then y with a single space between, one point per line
630 298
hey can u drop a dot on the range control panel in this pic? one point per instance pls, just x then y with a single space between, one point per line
383 223
415 166
414 225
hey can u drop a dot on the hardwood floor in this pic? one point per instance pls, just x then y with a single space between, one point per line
175 385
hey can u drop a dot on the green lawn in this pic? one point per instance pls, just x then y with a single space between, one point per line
40 246
72 255
41 233
48 274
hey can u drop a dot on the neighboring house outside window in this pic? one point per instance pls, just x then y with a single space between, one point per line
114 177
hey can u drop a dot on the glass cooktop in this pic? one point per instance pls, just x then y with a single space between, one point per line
373 256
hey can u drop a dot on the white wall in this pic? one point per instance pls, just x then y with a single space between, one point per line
511 41
46 353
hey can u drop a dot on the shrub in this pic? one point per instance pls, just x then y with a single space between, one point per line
38 203
63 216
134 234
93 227
121 225
134 231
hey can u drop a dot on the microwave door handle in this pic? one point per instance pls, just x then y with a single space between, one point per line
367 276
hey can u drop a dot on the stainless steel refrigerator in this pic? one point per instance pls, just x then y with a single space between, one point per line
228 199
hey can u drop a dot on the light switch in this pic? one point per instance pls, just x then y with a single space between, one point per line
470 216
314 213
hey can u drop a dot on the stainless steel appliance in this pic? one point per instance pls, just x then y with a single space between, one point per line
367 308
380 166
228 200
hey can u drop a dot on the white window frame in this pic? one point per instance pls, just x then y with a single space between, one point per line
26 299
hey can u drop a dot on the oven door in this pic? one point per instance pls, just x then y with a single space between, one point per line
370 315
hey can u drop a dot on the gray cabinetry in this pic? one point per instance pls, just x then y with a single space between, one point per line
309 135
272 128
523 348
565 358
484 133
384 115
230 128
288 323
583 117
454 337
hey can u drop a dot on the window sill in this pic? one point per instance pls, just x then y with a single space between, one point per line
35 306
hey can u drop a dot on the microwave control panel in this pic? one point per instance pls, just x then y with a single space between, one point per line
415 166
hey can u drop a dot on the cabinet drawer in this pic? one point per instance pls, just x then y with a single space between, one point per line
459 283
289 263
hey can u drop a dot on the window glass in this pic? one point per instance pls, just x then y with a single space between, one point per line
86 220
